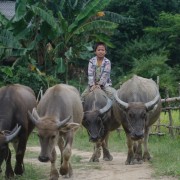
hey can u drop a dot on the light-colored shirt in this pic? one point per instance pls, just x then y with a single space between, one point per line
105 70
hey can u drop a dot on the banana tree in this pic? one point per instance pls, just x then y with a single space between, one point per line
53 34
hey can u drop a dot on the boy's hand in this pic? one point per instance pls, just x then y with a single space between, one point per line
94 86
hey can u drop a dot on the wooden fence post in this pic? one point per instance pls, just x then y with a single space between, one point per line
158 121
170 116
179 96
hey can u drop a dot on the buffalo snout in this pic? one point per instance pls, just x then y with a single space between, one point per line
93 138
43 159
137 135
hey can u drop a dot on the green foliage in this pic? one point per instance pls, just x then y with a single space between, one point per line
129 35
23 75
147 57
168 29
64 26
155 65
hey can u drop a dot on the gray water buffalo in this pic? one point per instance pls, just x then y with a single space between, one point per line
15 101
58 115
137 107
99 122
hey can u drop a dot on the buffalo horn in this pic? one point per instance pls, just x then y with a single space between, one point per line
63 122
123 104
14 134
150 105
107 107
31 116
35 114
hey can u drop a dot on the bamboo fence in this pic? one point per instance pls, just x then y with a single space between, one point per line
168 106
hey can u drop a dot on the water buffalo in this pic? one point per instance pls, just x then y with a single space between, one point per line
15 101
99 122
138 107
59 113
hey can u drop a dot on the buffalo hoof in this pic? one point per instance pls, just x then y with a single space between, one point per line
94 159
19 169
66 171
54 175
137 161
129 163
106 155
9 174
146 156
108 158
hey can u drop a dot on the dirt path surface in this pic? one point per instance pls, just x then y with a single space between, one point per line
104 170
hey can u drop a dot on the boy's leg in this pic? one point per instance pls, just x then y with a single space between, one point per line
86 92
110 92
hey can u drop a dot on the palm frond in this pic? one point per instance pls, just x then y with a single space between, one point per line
3 19
115 17
48 17
20 11
8 40
90 9
96 25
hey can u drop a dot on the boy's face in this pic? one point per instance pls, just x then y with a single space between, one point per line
100 51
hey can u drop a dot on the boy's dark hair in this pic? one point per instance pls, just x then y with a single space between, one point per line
98 44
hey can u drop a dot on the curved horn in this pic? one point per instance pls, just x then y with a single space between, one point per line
107 107
123 104
150 105
14 134
33 116
63 122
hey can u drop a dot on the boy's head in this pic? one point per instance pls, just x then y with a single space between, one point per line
99 44
100 50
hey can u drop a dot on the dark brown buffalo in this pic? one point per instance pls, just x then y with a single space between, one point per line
59 113
99 122
15 101
138 107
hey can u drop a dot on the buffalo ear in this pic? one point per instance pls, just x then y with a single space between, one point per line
69 126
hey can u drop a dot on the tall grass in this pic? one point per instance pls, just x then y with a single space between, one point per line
166 155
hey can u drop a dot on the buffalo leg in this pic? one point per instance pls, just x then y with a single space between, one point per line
97 152
146 155
54 173
106 154
137 146
66 168
130 156
21 148
9 171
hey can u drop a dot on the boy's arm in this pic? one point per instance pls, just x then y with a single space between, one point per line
91 73
105 74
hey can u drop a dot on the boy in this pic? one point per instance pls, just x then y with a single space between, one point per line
99 70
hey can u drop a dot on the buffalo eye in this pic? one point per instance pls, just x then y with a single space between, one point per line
143 115
85 123
131 115
99 119
52 137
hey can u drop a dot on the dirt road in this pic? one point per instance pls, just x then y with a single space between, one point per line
105 170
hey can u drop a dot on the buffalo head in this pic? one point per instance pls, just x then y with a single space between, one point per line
135 116
94 121
48 128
